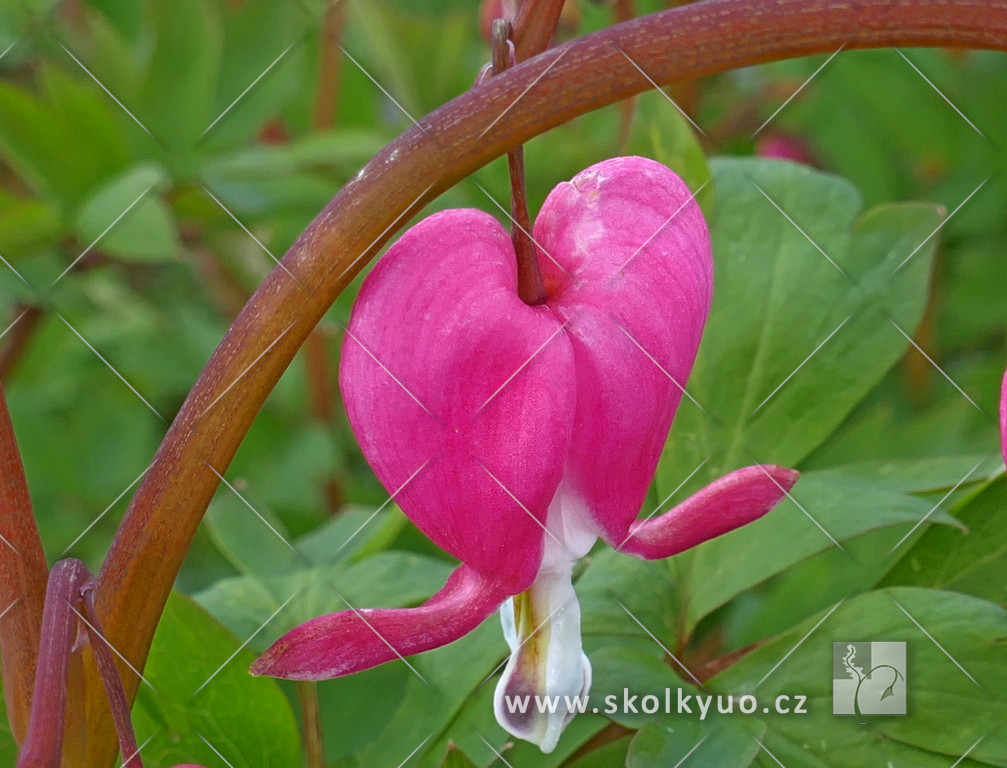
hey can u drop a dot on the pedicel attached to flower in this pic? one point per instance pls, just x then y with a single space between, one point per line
515 436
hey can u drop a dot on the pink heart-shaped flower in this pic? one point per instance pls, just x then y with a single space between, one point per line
514 436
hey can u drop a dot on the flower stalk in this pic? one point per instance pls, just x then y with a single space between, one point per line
531 287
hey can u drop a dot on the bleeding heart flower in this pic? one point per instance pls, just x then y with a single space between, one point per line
514 436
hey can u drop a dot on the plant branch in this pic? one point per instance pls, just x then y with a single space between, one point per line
43 746
307 695
535 25
446 146
530 285
23 576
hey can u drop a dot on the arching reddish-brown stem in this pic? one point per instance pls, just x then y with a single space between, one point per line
446 146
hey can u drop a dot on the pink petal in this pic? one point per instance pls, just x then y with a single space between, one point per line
732 501
635 297
1003 418
461 395
351 641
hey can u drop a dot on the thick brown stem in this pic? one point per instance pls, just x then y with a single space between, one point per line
444 148
23 575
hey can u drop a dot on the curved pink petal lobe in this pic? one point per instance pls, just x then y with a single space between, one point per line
461 395
629 268
351 641
730 502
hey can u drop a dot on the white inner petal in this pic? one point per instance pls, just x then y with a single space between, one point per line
548 673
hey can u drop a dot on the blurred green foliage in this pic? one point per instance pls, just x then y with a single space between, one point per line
157 156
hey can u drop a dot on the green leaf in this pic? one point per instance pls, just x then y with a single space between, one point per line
146 230
342 151
786 324
386 580
612 754
973 561
178 94
925 475
956 690
843 507
60 150
728 744
248 720
427 709
26 225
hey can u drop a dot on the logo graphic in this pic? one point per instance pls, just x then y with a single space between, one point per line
868 679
